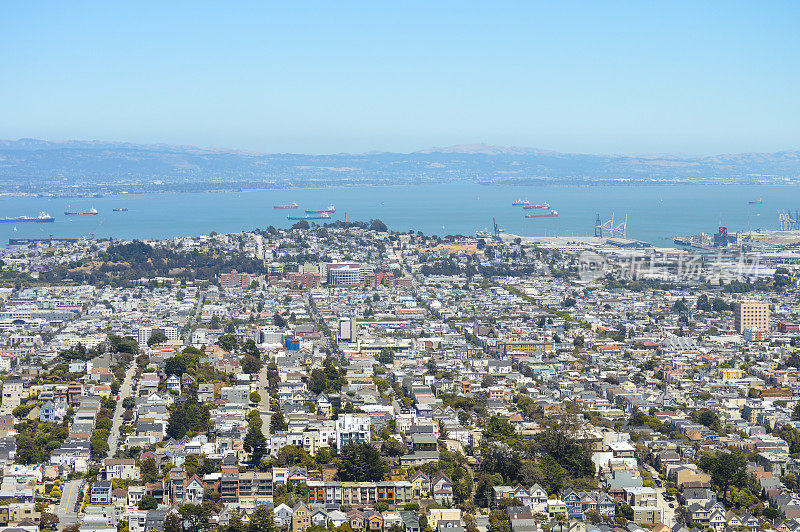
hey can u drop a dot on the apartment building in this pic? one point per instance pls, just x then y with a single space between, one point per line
255 488
352 428
752 315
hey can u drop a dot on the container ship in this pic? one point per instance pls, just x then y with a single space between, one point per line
759 201
542 207
521 203
43 218
552 214
90 212
290 206
320 216
120 209
330 210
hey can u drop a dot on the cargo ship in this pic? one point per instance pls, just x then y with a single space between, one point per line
120 209
542 207
90 212
330 210
43 218
551 214
320 216
521 203
759 201
290 206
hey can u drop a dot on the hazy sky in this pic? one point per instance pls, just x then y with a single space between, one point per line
323 77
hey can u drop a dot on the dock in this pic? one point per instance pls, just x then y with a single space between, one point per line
28 241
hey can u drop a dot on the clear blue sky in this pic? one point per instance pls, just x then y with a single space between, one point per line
323 77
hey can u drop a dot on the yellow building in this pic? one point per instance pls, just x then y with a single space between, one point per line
301 518
730 374
752 315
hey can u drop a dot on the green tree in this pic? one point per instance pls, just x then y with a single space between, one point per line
188 417
277 423
302 225
250 348
386 356
499 429
256 444
742 498
559 438
28 452
377 226
553 473
173 523
228 342
99 443
262 520
317 381
703 303
255 397
190 464
498 521
148 470
323 456
148 502
195 515
392 447
727 469
624 510
719 305
359 462
158 337
251 365
235 523
177 365
48 521
279 321
707 418
126 344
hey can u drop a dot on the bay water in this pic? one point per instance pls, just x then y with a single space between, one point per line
654 212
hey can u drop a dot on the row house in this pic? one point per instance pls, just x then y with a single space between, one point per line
578 503
536 496
294 475
120 468
146 520
360 494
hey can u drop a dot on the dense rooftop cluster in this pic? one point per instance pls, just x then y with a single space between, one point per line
345 377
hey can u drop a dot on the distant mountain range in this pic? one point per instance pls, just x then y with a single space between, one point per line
38 166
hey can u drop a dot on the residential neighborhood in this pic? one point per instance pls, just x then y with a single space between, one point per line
349 378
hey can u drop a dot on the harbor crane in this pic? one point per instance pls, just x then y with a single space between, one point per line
611 228
786 222
496 230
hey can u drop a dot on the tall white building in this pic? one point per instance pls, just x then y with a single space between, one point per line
344 274
269 335
348 329
144 333
352 428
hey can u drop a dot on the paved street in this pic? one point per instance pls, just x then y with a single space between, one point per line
124 391
65 511
668 514
318 321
